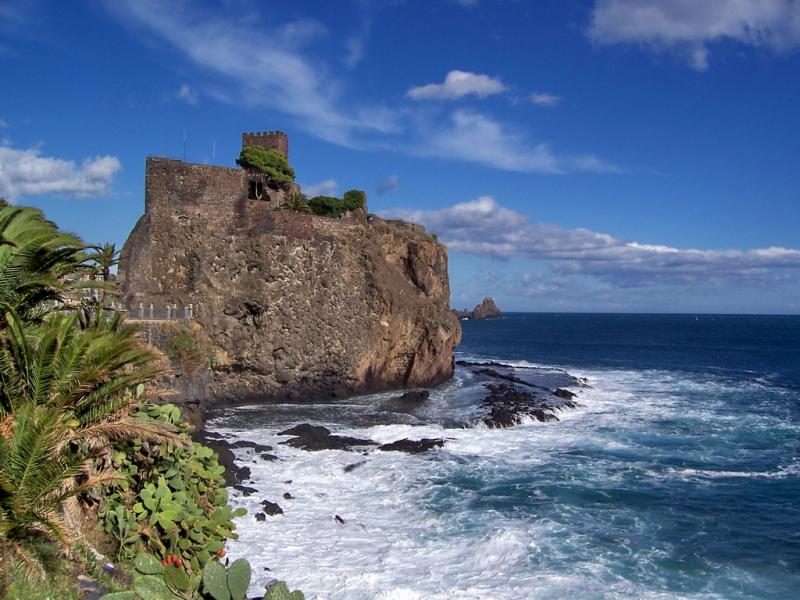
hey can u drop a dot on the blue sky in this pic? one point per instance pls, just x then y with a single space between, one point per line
604 155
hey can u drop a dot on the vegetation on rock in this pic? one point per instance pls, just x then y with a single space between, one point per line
267 161
330 206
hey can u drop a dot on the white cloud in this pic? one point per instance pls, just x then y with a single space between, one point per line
474 137
544 99
458 84
275 74
690 26
484 227
188 94
323 188
390 183
26 172
3 124
284 76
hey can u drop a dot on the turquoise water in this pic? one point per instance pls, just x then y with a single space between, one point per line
679 475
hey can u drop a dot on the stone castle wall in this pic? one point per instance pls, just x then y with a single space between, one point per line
271 140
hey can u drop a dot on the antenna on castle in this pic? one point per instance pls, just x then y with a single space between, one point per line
184 145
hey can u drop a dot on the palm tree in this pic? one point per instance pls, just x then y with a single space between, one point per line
105 258
39 264
66 386
297 202
65 394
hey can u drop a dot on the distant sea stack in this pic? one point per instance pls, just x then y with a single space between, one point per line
485 310
296 305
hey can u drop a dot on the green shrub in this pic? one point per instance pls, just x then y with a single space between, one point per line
354 199
187 351
172 502
330 206
270 162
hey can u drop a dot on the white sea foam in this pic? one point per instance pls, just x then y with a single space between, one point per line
430 526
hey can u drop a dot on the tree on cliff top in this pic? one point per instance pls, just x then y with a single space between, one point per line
268 161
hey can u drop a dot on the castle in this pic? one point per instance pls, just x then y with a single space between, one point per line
291 303
170 181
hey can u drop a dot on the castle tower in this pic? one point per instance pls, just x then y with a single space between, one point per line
271 140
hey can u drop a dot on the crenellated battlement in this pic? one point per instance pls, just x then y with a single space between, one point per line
271 140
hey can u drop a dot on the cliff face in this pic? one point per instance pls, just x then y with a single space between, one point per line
297 305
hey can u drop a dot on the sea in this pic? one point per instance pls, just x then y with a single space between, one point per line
677 476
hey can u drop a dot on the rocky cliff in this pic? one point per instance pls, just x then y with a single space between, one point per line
296 305
485 310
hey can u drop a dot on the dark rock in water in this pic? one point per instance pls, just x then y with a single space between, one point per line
412 446
354 466
338 519
271 508
246 491
313 437
565 394
287 496
243 473
260 516
409 400
512 378
254 445
508 406
269 457
305 429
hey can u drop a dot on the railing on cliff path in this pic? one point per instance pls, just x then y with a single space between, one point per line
148 312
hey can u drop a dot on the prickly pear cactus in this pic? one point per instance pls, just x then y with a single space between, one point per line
280 591
239 578
215 581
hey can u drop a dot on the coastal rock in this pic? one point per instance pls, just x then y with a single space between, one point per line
314 437
271 508
245 490
485 310
409 400
248 444
413 446
354 466
295 305
509 406
565 394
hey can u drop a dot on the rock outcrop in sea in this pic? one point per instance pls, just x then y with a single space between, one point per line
485 310
295 305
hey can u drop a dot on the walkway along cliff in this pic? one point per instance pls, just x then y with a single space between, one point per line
295 305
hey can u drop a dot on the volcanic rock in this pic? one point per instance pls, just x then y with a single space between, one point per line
413 446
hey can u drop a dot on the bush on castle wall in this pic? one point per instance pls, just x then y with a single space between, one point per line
268 161
330 206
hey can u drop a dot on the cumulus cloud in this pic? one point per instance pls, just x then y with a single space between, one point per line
26 172
390 183
323 188
458 84
484 227
474 137
188 94
689 26
544 99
